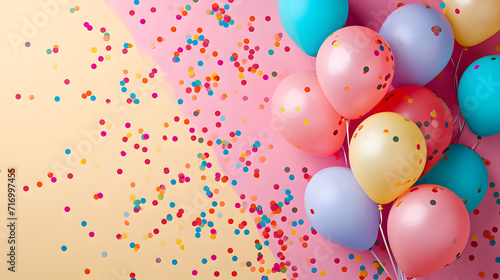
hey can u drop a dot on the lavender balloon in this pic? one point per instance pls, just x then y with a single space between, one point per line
339 209
421 39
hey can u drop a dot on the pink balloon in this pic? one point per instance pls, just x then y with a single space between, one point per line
428 228
355 68
304 116
428 111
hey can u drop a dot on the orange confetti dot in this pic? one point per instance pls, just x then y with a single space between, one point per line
222 204
202 50
50 174
277 44
87 271
84 96
344 269
127 223
347 89
145 80
184 13
173 29
252 18
199 30
186 121
166 124
89 93
159 39
215 54
39 184
216 191
32 97
194 97
307 89
246 41
481 274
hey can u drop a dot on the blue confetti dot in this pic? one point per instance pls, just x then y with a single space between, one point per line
132 95
174 262
125 45
126 214
497 259
214 203
234 258
222 118
200 63
442 5
132 245
314 270
210 224
67 151
236 231
93 98
351 256
143 200
246 232
204 261
136 101
203 214
64 248
197 235
173 182
234 182
172 204
84 224
291 177
124 89
122 83
104 254
226 152
180 101
57 98
177 59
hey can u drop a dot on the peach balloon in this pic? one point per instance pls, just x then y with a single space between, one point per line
473 21
304 116
355 68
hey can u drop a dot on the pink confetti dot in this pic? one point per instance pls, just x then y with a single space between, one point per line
131 12
143 21
220 62
91 234
103 29
26 188
70 175
108 48
66 81
93 66
123 153
66 209
102 122
100 195
154 95
175 138
18 96
119 171
53 179
103 133
195 272
153 10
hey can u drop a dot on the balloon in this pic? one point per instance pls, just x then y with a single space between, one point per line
428 111
479 95
473 21
309 22
422 41
355 69
387 154
340 211
304 116
462 171
428 228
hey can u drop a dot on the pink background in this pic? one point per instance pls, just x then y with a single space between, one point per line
252 102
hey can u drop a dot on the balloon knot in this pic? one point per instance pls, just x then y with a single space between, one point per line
380 207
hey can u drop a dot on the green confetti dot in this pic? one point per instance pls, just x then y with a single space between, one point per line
492 185
188 7
271 52
433 202
395 139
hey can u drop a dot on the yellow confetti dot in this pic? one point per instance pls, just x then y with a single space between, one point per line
386 131
336 44
124 236
55 66
433 113
191 73
306 122
474 237
283 109
108 126
297 109
163 243
358 258
83 161
129 135
178 241
243 155
293 232
213 236
144 237
410 100
241 76
93 50
132 197
138 75
158 149
322 273
260 73
107 57
182 247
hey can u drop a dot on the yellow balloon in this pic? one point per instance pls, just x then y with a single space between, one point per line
473 21
387 154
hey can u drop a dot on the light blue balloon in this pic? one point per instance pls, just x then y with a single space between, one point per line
310 22
462 171
421 39
339 209
479 96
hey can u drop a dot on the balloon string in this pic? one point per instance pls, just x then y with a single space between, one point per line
475 145
462 126
347 128
345 157
385 241
381 264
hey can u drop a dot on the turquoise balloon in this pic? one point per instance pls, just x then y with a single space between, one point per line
462 171
310 22
479 96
